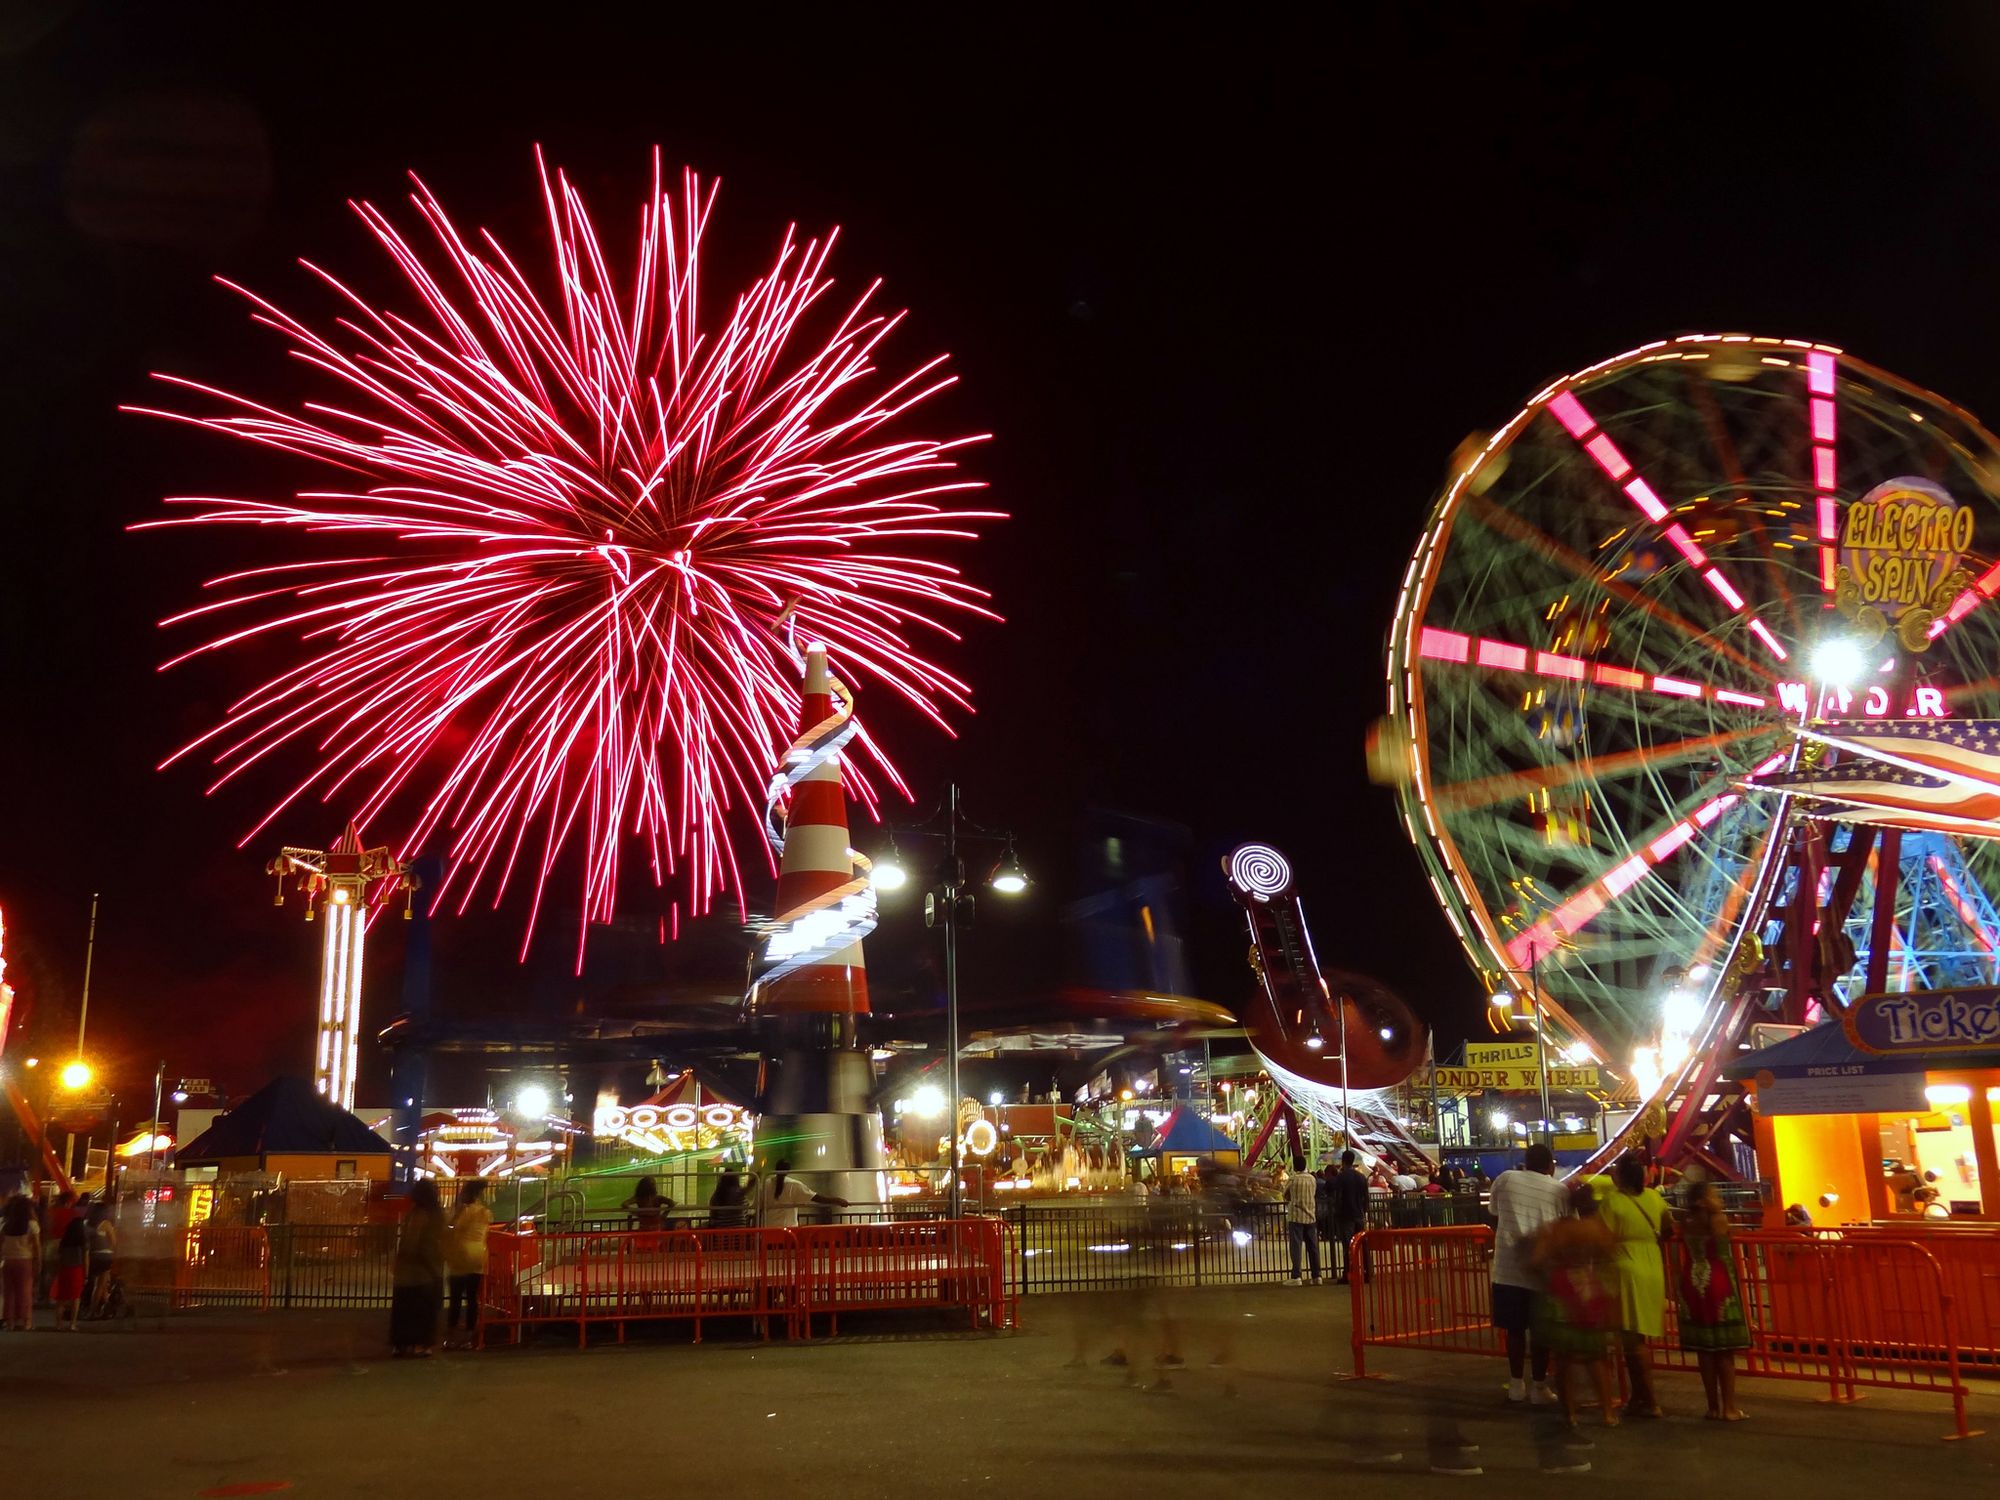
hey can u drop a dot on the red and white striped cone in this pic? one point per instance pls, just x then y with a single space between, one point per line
814 1104
815 862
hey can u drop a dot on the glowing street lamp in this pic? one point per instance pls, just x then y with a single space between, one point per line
947 905
1008 878
76 1076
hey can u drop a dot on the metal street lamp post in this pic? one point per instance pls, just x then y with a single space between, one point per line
945 906
1538 1017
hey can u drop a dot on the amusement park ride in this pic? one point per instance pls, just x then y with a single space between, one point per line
1691 691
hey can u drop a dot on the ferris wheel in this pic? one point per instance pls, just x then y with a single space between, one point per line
1633 597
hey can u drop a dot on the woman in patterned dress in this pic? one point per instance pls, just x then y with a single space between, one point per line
1711 1313
1577 1314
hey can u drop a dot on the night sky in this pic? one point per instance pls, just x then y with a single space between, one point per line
1227 299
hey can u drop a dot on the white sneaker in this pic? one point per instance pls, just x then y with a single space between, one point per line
1295 1282
1541 1395
1517 1390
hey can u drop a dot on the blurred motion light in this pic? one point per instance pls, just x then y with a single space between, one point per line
1839 661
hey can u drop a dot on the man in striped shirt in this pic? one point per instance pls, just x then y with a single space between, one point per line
1301 1224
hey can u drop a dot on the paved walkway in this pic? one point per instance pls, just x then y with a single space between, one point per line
217 1404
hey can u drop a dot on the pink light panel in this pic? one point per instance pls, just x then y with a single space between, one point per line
1444 645
1763 633
1577 421
1608 457
1587 902
1819 385
1642 496
1569 411
1449 645
1723 587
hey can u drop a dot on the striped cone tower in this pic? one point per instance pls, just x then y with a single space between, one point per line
813 1103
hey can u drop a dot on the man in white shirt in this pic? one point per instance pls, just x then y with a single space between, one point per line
782 1196
1301 1223
1524 1199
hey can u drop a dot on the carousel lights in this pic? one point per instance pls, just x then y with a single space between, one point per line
926 1104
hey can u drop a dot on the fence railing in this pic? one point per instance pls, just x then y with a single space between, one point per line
623 1277
1843 1312
1077 1245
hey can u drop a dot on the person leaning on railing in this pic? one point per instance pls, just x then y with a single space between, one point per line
1637 1217
729 1204
783 1196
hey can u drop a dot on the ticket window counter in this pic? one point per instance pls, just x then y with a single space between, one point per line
1950 1150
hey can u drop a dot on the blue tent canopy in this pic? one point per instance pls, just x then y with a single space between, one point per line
1185 1133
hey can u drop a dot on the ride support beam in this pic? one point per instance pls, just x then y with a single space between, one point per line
1882 930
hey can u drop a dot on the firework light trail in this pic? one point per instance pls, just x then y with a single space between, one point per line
570 517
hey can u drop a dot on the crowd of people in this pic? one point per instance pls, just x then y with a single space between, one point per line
62 1254
441 1253
1579 1281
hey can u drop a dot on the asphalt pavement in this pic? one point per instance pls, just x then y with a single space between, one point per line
309 1404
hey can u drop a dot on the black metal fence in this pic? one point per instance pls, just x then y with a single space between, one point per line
1110 1243
1102 1243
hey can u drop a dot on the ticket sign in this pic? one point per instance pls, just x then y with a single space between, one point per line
1519 1079
1965 1020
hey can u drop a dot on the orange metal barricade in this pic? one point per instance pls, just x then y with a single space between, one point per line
919 1263
223 1262
1969 1258
1422 1289
1846 1312
620 1277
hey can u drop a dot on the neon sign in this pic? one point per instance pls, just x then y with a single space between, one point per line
664 1128
1900 546
1872 702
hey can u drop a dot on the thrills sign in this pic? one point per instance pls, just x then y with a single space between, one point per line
1965 1020
1900 546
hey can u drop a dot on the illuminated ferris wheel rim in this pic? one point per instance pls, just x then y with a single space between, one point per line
1412 642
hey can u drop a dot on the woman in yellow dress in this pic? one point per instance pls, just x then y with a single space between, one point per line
1638 1220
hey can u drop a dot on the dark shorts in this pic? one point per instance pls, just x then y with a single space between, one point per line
1513 1307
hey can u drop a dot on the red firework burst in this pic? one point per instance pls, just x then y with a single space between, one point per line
581 522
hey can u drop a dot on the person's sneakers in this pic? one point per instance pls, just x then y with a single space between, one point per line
1539 1394
1295 1282
1517 1390
1313 1280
